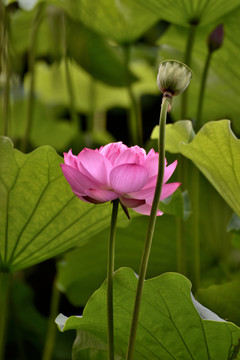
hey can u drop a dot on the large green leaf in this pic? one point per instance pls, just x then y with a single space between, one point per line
169 324
222 86
39 215
215 151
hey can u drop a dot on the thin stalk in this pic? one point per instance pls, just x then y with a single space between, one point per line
182 165
202 90
181 245
31 59
151 225
4 290
135 118
195 276
180 225
5 64
71 93
110 272
6 102
51 331
187 61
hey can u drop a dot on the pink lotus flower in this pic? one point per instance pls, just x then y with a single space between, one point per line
116 171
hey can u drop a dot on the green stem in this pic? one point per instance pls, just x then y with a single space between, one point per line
180 228
110 271
6 102
202 90
151 225
5 65
51 331
182 164
4 290
71 93
181 245
195 276
187 61
195 230
31 59
135 118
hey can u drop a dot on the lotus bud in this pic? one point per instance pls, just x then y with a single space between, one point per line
215 39
173 77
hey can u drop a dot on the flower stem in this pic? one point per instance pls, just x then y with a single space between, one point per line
4 289
202 90
51 331
110 271
151 225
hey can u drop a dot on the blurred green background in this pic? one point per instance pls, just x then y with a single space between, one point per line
81 73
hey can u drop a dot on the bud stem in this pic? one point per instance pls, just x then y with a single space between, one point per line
187 61
202 91
166 101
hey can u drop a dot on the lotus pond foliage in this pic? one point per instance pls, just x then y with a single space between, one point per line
119 180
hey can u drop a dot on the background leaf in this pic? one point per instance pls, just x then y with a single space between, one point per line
180 132
213 149
188 12
222 299
222 86
121 21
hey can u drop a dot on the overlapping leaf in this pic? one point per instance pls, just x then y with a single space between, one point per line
169 324
39 215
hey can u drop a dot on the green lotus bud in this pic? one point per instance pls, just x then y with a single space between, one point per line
173 77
